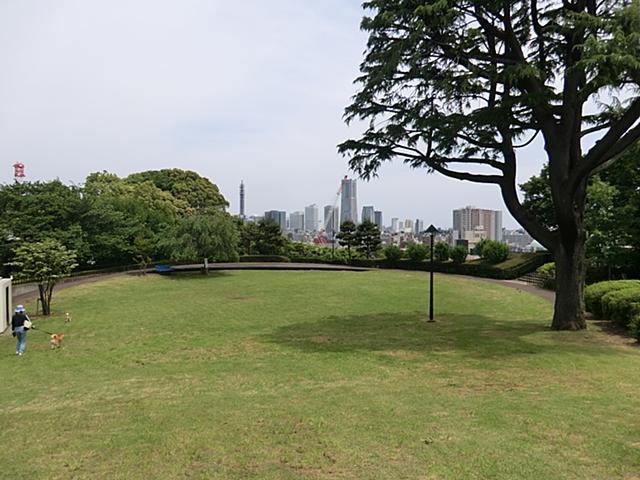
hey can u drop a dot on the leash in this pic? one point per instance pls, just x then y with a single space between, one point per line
40 330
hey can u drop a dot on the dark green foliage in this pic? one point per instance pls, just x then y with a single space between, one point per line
458 254
264 258
417 252
547 274
634 325
347 235
593 294
367 238
268 238
479 247
441 251
392 253
494 251
620 306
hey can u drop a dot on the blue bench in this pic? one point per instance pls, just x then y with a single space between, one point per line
164 269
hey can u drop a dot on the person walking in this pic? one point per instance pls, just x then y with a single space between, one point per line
19 325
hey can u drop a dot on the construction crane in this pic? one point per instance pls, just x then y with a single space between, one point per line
324 237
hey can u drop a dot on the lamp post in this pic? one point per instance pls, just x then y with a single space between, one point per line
431 231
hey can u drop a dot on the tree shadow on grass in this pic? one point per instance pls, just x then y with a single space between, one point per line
473 335
195 275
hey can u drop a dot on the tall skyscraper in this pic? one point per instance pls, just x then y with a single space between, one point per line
241 199
408 226
394 225
367 213
331 219
311 218
419 226
473 222
296 221
279 217
349 202
377 216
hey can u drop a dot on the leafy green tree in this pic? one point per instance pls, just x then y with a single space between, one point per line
417 252
45 263
269 239
347 236
367 238
248 237
459 88
195 190
458 254
441 251
208 236
392 253
494 251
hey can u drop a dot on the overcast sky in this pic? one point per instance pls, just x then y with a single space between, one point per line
251 90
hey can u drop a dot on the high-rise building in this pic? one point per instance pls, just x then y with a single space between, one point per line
367 213
419 227
331 219
279 217
377 216
296 221
349 201
241 199
477 222
394 225
311 218
408 226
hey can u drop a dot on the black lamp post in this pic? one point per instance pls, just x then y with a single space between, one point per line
431 231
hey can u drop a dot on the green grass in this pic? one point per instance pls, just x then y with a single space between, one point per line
333 375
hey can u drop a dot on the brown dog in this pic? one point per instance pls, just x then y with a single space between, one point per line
56 340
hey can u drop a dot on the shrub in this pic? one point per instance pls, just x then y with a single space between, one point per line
441 251
547 274
634 325
593 293
417 252
263 258
479 248
620 306
392 253
494 252
458 254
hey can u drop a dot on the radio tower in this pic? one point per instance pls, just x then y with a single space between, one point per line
241 199
18 172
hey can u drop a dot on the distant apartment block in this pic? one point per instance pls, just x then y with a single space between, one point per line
277 216
296 221
349 201
331 220
368 214
474 224
394 225
311 218
377 217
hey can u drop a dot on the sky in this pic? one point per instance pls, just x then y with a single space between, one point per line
252 91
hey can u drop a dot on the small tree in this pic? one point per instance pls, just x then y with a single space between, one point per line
45 263
417 252
211 235
392 253
494 251
458 254
367 238
347 236
269 239
441 251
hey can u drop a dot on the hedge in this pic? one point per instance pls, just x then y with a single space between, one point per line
620 306
593 293
264 258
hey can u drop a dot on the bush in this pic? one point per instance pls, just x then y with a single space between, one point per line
263 258
620 306
417 252
634 326
392 253
441 251
547 274
479 248
494 252
458 254
593 293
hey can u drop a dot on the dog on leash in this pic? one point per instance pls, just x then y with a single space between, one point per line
67 317
56 340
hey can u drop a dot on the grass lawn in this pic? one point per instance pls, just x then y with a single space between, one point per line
321 375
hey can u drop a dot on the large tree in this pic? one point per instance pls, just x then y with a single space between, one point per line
459 87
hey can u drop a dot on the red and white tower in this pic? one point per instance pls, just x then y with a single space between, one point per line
18 172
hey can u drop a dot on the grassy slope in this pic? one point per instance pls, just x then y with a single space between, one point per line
283 375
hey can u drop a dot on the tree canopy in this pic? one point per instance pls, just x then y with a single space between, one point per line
460 87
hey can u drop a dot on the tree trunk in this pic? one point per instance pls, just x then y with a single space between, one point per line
570 274
44 299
